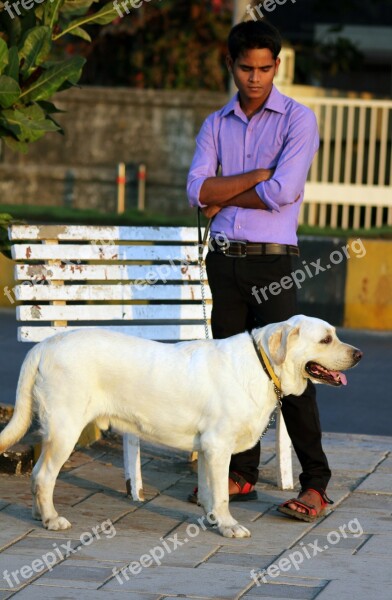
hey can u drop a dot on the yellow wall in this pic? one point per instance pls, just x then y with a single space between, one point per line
369 287
6 279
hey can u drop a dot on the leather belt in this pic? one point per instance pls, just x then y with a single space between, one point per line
241 249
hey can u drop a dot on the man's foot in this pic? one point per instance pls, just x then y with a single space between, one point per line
240 490
309 506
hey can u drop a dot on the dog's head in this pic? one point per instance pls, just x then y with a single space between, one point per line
303 348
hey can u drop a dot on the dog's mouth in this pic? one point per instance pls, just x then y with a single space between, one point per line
328 376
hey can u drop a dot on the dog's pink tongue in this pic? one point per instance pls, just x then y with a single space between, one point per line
339 377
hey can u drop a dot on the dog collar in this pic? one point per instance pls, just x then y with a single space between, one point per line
265 363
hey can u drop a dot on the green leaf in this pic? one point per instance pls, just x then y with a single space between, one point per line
59 127
35 49
3 55
79 32
51 80
9 91
12 69
14 128
32 122
76 6
105 15
51 11
15 144
49 107
102 17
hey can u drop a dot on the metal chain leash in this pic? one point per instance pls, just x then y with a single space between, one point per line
273 416
203 295
202 242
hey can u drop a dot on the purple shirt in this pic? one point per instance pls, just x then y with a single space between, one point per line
283 136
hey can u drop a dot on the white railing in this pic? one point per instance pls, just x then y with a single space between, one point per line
349 182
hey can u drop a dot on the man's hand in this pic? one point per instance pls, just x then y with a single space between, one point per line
211 211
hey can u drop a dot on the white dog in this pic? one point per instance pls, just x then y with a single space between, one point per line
212 396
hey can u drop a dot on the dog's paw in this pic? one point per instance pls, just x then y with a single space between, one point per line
57 524
237 531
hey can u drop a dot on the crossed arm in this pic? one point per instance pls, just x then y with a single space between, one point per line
233 190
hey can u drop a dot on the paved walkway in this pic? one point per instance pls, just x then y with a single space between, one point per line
171 554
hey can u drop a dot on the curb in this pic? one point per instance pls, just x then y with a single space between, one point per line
21 457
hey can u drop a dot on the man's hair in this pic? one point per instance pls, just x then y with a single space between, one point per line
249 35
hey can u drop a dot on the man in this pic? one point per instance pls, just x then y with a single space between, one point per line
264 143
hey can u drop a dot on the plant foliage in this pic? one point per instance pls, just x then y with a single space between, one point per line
29 76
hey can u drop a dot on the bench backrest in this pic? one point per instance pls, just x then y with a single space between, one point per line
143 281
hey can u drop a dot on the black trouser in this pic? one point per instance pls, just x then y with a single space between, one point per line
236 309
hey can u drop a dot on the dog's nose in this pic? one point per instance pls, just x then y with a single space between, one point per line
357 355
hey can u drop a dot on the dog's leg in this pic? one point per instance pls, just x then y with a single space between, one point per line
217 468
54 454
203 494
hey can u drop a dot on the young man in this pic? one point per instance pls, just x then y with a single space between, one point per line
264 143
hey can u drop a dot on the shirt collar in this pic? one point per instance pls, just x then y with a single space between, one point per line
275 102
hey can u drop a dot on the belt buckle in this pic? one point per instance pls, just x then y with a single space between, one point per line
242 244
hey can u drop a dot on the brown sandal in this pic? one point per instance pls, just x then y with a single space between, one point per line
245 492
311 513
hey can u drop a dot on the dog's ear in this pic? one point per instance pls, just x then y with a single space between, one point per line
279 341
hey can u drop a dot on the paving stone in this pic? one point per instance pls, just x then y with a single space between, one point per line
68 574
376 483
318 539
354 567
207 566
360 590
377 544
368 501
96 475
385 466
37 592
144 520
36 547
275 590
272 533
237 559
81 457
15 489
355 522
215 583
173 504
13 564
123 550
297 580
13 527
109 500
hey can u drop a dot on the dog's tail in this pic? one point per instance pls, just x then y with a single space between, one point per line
23 411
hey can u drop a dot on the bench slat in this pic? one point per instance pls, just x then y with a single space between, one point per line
74 252
153 332
164 273
119 312
101 234
109 292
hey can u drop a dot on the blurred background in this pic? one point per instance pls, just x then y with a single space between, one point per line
151 77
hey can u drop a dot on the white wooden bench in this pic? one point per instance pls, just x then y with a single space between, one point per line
142 281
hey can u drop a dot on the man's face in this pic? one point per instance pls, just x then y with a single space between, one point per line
253 73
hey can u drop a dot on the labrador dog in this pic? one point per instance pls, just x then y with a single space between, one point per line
212 396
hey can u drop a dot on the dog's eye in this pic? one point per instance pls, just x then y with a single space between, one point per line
326 340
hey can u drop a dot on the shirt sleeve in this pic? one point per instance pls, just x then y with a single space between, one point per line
286 186
204 164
